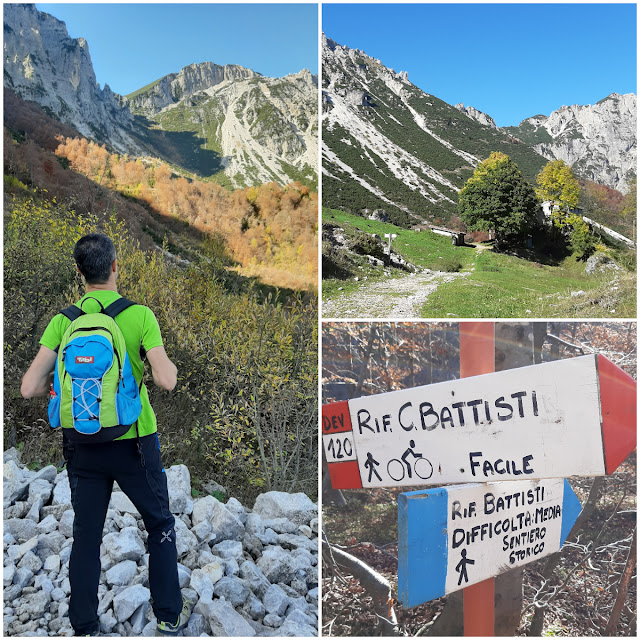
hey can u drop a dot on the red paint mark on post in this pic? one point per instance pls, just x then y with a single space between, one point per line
345 475
336 418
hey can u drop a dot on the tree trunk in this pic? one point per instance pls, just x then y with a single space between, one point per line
376 585
623 588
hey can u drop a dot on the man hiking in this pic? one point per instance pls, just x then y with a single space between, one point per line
98 455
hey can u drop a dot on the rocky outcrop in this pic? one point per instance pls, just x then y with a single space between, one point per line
265 129
43 64
175 87
250 572
599 141
477 115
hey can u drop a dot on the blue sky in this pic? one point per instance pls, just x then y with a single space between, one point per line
511 61
132 45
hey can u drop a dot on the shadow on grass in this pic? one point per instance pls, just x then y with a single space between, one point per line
182 148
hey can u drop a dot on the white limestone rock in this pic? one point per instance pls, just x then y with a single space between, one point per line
65 525
232 589
128 600
179 487
203 580
224 524
296 507
229 549
275 600
21 529
122 573
125 545
223 619
185 540
121 503
52 564
276 565
47 525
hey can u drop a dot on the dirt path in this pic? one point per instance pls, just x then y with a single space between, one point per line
390 298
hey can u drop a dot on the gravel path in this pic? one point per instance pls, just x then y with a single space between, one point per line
390 298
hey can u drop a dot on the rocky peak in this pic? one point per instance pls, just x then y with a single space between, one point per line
192 79
42 63
477 115
599 141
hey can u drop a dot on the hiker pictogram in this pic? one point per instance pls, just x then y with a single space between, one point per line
461 567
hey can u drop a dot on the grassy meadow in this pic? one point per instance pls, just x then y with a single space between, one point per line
496 285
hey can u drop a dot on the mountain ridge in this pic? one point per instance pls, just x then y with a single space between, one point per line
599 140
388 144
45 65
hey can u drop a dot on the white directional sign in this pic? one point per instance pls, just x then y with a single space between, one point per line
553 420
453 537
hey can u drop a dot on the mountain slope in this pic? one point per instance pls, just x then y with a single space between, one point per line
387 144
227 122
599 140
257 129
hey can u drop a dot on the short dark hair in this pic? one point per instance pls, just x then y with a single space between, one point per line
94 254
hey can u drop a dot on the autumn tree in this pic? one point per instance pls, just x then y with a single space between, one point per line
557 184
498 198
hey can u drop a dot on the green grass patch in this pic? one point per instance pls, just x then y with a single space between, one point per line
144 89
504 286
496 285
424 248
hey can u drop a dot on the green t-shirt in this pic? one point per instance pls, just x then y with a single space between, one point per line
139 327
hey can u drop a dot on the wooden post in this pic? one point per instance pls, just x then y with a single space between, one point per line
477 356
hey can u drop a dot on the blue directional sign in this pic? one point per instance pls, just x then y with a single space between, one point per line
453 537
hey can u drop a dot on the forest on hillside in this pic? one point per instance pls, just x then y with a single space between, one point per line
269 230
244 411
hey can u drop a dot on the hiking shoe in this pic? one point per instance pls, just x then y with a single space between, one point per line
168 629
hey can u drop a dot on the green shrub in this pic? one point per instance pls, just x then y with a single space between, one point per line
449 264
626 259
581 241
244 411
11 183
365 244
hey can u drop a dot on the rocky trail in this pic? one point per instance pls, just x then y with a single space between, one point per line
250 572
401 297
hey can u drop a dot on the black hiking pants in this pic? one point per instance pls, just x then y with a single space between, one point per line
139 473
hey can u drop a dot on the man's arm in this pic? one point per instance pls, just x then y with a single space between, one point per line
164 372
37 378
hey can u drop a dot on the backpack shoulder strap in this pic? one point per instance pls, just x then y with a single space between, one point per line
118 307
72 312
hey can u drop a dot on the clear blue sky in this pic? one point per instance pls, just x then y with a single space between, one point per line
511 61
132 45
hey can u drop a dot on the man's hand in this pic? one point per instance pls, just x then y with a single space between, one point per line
37 379
164 372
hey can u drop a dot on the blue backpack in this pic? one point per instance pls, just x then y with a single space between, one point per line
94 397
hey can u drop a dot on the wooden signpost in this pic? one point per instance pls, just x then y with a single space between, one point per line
511 437
574 417
454 537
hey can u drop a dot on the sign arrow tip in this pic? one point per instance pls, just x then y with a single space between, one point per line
571 509
618 406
